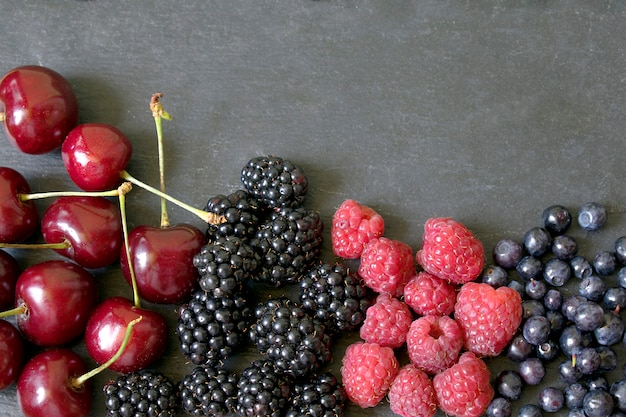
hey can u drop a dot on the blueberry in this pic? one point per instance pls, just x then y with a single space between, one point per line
587 360
532 308
576 412
598 403
556 272
553 299
611 330
556 319
568 372
568 308
589 316
592 288
551 399
507 253
597 382
621 277
608 358
517 286
536 329
574 394
529 410
547 351
532 371
564 247
618 391
529 267
499 407
536 289
605 262
519 349
571 340
556 219
537 241
592 216
581 267
615 297
509 384
495 275
620 250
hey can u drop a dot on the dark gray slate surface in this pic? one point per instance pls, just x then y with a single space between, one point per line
487 112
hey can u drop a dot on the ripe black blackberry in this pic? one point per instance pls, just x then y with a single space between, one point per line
293 340
241 212
208 391
210 328
288 244
274 181
319 396
224 264
139 394
262 390
336 296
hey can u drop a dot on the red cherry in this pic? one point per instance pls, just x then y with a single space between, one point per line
91 225
106 329
163 262
9 271
11 354
94 155
58 297
40 108
18 219
45 386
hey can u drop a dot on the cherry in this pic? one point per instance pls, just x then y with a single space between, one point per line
9 271
11 354
40 108
53 300
18 219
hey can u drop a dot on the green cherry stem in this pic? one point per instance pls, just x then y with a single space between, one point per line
131 268
21 309
49 194
159 113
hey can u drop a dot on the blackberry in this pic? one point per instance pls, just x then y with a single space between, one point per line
241 212
293 340
336 296
224 264
288 244
208 391
262 390
139 394
210 328
274 181
319 396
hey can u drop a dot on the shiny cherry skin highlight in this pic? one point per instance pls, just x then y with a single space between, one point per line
39 106
18 219
11 354
9 271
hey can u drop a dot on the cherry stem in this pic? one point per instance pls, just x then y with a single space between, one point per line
21 309
2 117
129 259
210 218
78 382
57 246
159 113
48 194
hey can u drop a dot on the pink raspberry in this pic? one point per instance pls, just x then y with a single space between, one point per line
488 317
353 226
426 294
367 372
434 343
387 322
412 393
450 251
464 389
386 265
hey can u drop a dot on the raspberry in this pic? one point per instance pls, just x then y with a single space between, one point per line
488 317
464 389
386 265
353 226
367 372
434 343
387 322
412 393
426 294
450 251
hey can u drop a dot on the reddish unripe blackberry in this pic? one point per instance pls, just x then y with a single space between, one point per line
412 393
434 343
208 391
387 322
241 212
353 226
387 265
263 391
320 396
138 394
428 295
336 296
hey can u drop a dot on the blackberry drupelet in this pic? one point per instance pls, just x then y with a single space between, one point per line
208 391
319 396
139 394
262 390
274 181
288 243
210 328
241 212
293 340
336 296
224 264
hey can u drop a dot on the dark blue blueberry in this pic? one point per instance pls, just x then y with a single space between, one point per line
581 267
618 391
495 275
611 331
532 308
529 267
499 407
621 277
564 247
529 410
592 288
615 297
598 403
587 360
597 382
571 340
536 329
570 304
517 286
551 399
532 371
605 262
574 395
556 319
536 289
519 349
620 250
568 372
608 358
553 299
589 316
537 241
592 216
556 272
548 350
509 384
556 219
507 253
576 412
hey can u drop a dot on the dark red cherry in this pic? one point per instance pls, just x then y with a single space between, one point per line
91 225
163 261
18 219
11 354
94 155
45 387
59 297
9 271
106 329
39 107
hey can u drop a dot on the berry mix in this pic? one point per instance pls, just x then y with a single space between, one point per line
429 321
